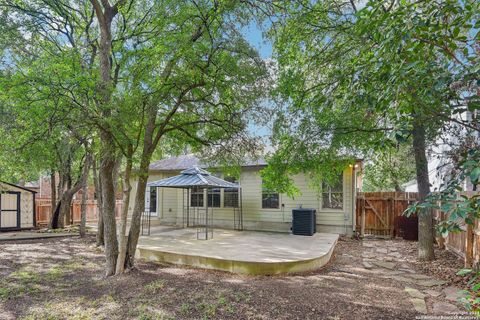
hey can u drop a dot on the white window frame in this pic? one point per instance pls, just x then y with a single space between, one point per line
343 197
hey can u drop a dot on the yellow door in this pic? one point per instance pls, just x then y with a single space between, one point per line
9 210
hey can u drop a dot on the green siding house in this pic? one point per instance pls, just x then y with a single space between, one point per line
261 209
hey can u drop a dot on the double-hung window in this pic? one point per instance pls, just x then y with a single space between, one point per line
332 194
270 199
214 197
196 197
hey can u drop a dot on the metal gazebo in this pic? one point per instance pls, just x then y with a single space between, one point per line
195 179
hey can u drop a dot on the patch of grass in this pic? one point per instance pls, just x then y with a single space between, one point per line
185 308
18 283
242 297
25 276
54 273
208 309
226 305
6 292
145 313
221 300
73 265
230 308
51 311
155 286
45 313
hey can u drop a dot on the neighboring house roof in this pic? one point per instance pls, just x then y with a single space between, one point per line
188 161
193 177
17 186
32 184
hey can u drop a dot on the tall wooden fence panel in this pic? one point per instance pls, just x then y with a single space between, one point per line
379 213
466 243
43 209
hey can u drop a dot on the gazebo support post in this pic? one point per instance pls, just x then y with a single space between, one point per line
188 207
240 205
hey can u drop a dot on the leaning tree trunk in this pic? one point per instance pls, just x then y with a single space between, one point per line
63 206
425 216
64 200
123 219
139 206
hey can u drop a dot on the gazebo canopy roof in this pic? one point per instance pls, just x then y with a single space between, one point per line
193 177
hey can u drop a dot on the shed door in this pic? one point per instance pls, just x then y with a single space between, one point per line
10 210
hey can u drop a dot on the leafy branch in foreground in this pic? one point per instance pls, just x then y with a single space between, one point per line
460 209
471 298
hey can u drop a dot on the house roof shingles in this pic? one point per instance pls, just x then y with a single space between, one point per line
188 161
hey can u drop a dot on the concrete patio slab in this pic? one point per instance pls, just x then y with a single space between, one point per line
245 252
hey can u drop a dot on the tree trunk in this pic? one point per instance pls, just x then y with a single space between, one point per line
83 210
139 207
53 224
66 214
107 168
105 14
425 216
123 219
65 206
53 189
60 187
98 191
83 206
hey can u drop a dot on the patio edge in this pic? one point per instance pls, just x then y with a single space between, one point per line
237 266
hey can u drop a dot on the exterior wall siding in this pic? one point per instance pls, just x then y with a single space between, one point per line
26 205
170 204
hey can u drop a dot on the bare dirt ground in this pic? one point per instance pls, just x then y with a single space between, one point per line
63 279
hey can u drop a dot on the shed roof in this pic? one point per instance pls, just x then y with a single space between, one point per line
17 186
193 177
187 161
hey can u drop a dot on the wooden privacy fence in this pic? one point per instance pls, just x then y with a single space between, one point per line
466 243
43 209
380 214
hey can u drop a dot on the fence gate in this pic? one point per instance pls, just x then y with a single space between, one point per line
380 213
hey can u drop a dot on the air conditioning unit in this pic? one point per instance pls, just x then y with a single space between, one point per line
304 222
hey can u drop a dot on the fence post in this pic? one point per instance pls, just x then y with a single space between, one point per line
440 216
362 229
469 246
391 207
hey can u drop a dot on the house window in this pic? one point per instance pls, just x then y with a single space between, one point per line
214 198
196 197
230 195
332 195
270 199
153 199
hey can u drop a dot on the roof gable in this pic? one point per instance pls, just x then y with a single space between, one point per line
17 186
